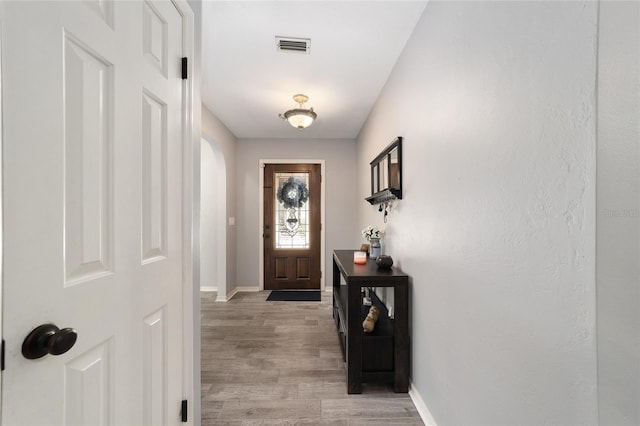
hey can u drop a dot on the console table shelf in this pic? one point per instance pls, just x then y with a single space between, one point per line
384 353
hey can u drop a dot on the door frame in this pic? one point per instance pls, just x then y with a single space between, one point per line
1 209
259 233
190 219
220 219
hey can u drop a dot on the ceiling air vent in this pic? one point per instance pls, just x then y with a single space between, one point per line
290 44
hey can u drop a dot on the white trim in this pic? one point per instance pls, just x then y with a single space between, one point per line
1 206
208 288
424 412
238 289
223 298
261 164
190 223
247 289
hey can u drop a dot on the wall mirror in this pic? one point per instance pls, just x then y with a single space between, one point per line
386 174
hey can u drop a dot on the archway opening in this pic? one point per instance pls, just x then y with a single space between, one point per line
213 212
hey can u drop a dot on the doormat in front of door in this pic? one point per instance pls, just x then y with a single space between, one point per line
294 296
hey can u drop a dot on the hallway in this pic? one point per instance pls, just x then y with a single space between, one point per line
279 363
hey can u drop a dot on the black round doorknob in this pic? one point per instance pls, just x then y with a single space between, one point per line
48 339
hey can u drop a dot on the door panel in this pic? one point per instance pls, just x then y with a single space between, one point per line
88 144
291 226
160 219
303 270
153 369
154 177
89 387
92 122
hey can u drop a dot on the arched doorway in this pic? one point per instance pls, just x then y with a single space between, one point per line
213 212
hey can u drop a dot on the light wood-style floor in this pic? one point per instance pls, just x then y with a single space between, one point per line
279 363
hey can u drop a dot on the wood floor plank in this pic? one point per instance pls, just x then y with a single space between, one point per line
242 392
261 410
279 363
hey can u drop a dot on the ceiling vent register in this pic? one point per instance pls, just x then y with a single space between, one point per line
290 44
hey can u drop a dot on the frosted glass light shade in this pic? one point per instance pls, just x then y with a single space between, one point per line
300 118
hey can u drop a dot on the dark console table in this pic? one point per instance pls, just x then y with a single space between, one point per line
384 353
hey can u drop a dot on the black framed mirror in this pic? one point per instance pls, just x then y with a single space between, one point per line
386 174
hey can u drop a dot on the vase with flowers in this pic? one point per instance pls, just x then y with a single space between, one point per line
373 234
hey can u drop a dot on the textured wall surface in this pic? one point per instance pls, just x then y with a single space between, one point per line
618 221
340 184
496 102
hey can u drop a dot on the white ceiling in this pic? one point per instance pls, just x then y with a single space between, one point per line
354 46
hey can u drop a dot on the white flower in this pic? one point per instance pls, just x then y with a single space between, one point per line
371 232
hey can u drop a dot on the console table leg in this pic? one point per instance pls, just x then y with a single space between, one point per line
354 340
401 340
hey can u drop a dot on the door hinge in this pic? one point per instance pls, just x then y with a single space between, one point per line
183 411
320 274
2 356
184 68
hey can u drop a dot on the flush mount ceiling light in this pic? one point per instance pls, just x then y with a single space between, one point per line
300 117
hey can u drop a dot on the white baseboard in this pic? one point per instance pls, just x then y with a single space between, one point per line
424 412
250 289
223 298
236 290
240 289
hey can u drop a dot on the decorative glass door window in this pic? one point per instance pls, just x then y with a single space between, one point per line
292 210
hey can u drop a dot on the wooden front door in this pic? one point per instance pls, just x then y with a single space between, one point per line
291 226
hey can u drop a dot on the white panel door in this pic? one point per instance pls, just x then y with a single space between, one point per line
92 125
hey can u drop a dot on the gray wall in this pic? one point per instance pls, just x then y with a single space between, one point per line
340 177
618 221
215 131
496 102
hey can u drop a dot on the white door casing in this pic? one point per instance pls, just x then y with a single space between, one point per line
93 222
